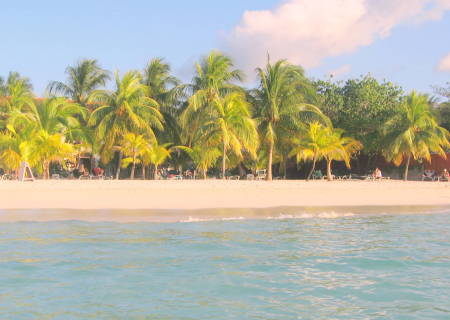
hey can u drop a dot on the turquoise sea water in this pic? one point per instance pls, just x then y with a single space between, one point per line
351 267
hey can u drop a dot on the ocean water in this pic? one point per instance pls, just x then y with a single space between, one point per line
326 267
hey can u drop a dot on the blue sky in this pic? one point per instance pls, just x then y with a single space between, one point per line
40 38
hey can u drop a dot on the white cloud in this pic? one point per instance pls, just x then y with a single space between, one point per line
444 64
341 71
308 31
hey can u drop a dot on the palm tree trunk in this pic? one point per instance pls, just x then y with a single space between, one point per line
329 176
204 171
133 167
143 171
118 165
408 161
224 161
155 174
312 169
285 161
46 170
269 165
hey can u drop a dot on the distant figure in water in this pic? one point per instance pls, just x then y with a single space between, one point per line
377 174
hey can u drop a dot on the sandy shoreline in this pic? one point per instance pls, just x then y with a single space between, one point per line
218 194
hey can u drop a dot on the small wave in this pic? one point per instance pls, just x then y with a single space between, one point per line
321 215
192 219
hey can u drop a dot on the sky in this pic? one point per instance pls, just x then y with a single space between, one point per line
403 41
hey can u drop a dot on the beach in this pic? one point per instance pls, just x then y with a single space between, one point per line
129 200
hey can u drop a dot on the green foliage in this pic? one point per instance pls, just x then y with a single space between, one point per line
361 107
229 126
213 118
16 101
443 110
156 154
318 142
43 148
414 133
214 79
83 78
203 157
169 93
127 109
280 104
133 146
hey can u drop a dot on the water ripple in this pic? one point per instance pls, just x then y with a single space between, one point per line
350 267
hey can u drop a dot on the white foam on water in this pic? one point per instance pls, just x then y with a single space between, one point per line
192 219
321 215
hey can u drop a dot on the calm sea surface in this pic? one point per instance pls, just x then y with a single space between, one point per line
344 267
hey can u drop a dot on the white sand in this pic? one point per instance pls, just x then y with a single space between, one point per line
60 194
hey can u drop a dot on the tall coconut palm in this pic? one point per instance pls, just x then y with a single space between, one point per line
82 78
280 104
133 146
127 109
168 92
214 79
414 133
160 82
16 101
230 126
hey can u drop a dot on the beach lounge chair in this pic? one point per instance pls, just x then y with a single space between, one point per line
7 176
261 174
85 176
429 175
250 176
317 175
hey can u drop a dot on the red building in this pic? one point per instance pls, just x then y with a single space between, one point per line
438 163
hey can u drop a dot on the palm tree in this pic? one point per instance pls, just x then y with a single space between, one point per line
12 146
160 82
214 79
280 104
127 109
58 115
82 79
168 92
319 142
133 146
16 101
155 154
2 87
203 157
45 148
230 126
414 133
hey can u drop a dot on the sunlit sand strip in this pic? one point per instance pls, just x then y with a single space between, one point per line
190 201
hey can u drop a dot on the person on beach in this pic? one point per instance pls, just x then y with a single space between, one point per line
445 175
377 174
98 172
